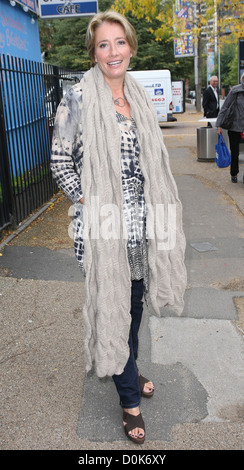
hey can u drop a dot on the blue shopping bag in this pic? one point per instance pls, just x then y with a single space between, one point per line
222 154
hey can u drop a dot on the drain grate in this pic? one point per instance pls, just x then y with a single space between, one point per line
203 246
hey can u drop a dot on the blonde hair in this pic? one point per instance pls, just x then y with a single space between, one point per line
111 17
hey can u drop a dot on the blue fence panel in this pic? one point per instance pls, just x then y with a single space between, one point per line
23 94
29 96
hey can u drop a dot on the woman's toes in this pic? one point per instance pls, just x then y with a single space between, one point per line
148 387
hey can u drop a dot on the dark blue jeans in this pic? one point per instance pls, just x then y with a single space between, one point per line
127 383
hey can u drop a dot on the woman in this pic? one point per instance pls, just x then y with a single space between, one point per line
232 112
109 157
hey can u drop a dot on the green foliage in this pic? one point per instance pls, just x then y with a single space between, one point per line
229 66
233 78
154 55
66 46
63 40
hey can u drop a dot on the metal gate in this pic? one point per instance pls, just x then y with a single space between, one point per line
29 95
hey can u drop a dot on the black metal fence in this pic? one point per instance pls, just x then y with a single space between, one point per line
29 95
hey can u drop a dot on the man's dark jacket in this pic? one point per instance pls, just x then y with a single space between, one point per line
209 103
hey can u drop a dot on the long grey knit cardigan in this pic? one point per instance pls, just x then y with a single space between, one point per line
108 284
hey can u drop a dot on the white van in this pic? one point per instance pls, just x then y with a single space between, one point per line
158 84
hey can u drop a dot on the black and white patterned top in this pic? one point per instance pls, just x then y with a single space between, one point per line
134 203
66 165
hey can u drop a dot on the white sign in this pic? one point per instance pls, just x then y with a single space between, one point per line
178 96
67 8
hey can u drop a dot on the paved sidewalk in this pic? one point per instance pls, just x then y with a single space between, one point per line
196 361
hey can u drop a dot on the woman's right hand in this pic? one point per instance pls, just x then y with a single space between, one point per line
81 200
219 130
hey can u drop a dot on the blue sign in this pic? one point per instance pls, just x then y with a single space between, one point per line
19 43
19 33
159 91
67 8
183 24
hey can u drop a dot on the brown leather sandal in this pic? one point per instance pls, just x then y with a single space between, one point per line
142 382
133 422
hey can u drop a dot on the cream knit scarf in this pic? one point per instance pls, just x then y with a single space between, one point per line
108 284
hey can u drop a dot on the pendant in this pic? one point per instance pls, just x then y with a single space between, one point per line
121 102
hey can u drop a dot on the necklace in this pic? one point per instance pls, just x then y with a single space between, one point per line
121 102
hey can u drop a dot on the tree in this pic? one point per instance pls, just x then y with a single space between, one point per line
229 66
63 41
214 22
66 42
155 54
